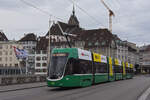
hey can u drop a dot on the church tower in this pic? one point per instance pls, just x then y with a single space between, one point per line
73 19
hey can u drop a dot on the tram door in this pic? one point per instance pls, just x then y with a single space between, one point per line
124 70
93 69
100 68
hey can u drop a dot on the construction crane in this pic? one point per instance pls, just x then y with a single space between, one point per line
111 13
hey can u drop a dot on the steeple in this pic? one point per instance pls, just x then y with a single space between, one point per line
73 19
73 12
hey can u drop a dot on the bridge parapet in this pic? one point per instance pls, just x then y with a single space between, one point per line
21 79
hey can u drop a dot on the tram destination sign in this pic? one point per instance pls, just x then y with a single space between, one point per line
60 54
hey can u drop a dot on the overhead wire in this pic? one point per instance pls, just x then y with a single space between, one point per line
93 18
41 10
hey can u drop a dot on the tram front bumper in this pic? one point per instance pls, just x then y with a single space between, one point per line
54 83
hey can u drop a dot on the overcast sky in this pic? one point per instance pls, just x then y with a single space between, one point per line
130 23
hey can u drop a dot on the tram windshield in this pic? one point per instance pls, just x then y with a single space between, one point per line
57 65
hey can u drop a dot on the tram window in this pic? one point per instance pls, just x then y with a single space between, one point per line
131 70
85 67
121 69
118 69
101 67
78 67
127 70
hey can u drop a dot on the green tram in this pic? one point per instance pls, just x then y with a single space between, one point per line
73 67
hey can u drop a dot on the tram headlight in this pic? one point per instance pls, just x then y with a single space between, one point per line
67 78
52 83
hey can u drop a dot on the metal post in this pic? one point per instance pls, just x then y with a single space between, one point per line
127 51
19 66
106 51
26 66
49 44
140 69
117 51
109 50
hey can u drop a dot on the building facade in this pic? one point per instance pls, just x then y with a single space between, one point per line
41 55
133 55
7 54
29 42
9 64
145 59
41 62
